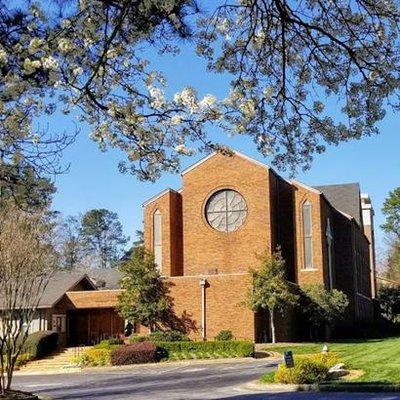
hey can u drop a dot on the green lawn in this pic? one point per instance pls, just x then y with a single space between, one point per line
379 358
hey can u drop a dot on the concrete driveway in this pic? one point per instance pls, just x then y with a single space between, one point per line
183 381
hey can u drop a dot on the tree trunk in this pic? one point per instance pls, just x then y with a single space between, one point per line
271 316
328 332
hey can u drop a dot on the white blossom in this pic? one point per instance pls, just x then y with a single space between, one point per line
35 45
208 101
64 45
30 66
187 98
3 57
247 108
176 120
157 97
182 149
50 63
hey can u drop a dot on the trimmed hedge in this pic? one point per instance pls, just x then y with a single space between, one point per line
224 335
168 336
40 344
228 348
137 353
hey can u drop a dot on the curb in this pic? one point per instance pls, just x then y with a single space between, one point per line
359 387
323 387
74 370
43 396
171 363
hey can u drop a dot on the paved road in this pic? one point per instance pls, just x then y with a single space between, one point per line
196 381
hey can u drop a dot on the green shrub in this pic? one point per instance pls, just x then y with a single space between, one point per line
23 359
137 338
168 336
229 348
224 335
107 344
40 344
137 353
307 369
94 357
116 341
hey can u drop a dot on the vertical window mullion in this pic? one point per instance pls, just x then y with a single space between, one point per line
307 235
157 238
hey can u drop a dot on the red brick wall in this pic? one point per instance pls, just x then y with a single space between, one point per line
206 249
225 295
170 206
316 274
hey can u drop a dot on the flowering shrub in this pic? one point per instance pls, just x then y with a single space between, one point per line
307 369
94 357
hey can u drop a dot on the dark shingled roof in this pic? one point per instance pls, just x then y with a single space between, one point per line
60 283
105 278
344 197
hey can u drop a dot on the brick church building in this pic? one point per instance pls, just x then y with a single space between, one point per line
206 236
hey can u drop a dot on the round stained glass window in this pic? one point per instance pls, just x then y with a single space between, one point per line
226 210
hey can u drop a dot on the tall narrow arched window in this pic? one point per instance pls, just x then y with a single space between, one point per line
157 238
307 235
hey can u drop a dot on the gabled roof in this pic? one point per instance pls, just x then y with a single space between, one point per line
344 197
213 154
157 196
105 279
60 283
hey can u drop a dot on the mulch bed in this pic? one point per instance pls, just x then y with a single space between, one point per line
17 395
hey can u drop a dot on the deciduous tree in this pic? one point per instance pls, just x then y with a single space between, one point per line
27 261
291 64
323 307
270 290
389 300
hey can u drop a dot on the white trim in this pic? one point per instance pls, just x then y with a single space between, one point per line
234 152
309 269
303 185
157 196
344 214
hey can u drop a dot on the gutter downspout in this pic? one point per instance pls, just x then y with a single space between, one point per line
203 283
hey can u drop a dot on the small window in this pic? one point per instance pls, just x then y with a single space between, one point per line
307 233
157 238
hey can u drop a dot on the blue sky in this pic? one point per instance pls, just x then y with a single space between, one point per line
93 180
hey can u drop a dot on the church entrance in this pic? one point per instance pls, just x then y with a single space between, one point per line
90 326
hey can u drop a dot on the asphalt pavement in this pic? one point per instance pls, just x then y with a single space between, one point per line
178 381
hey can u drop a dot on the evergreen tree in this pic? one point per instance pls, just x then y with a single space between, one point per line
102 236
144 298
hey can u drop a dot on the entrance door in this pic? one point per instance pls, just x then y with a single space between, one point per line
78 327
92 325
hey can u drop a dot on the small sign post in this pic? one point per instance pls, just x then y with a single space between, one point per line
289 361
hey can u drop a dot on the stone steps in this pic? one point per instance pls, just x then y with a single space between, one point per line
60 360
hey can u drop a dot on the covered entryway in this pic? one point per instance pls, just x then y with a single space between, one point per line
91 316
89 326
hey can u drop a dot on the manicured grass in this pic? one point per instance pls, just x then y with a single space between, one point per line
378 358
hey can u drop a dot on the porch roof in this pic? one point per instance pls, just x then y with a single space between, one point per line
93 299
